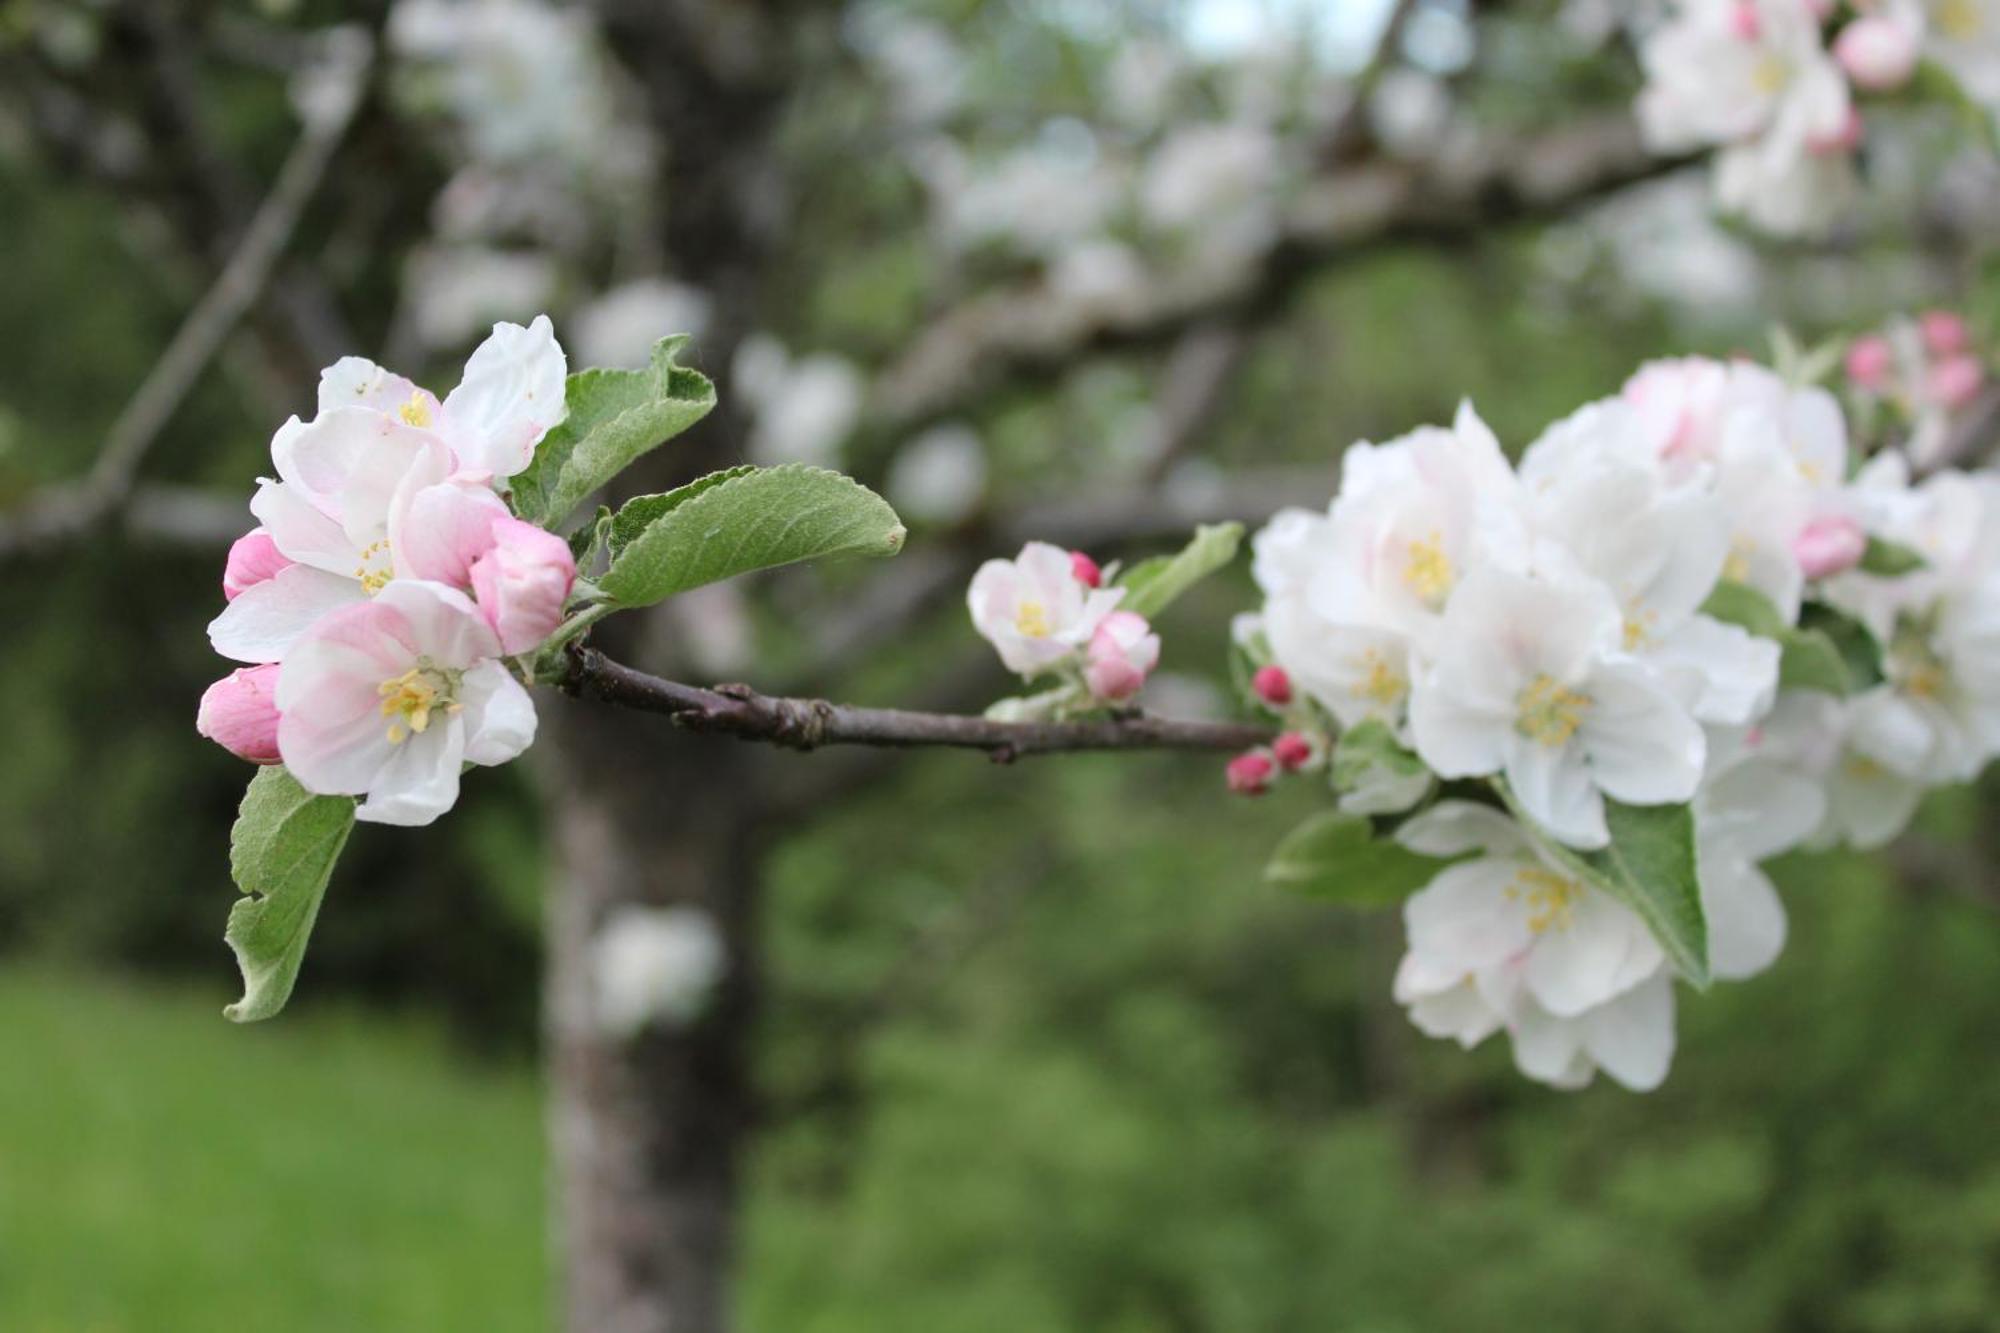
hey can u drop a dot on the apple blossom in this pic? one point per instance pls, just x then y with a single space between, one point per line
1292 751
1831 544
387 698
1528 679
1878 51
1944 332
240 714
1869 361
1955 381
1034 610
1121 653
1249 774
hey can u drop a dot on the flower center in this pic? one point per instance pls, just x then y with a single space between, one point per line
410 699
1549 897
416 412
1427 570
1032 620
1380 683
375 569
1959 20
1548 712
1770 75
1736 568
1639 629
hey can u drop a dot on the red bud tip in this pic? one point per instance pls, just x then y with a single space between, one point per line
1088 572
1272 685
1292 751
1249 773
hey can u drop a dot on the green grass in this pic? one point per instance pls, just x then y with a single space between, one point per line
163 1170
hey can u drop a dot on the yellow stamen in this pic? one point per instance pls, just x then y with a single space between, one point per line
1428 572
1925 680
1639 629
1770 75
412 697
1550 897
1381 683
1032 619
1737 567
1549 712
373 580
1862 767
416 412
1960 20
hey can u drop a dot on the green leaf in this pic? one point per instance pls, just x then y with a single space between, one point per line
615 417
1152 585
1890 559
1853 643
751 519
1649 866
638 513
1339 857
1740 604
1810 661
1368 746
281 853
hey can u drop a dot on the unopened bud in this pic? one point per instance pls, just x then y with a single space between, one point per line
1828 546
1878 52
1249 773
1745 20
1944 332
1955 383
1868 362
1088 572
1292 751
1272 685
240 714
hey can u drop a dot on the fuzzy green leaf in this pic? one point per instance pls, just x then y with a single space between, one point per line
1152 585
1650 867
638 513
615 417
281 854
1339 857
1852 642
752 519
1740 604
1890 559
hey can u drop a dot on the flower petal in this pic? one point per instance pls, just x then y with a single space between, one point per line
511 395
266 618
499 715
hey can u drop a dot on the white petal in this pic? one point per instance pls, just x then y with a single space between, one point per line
1459 1014
1632 1038
355 381
1746 918
1643 748
511 394
499 715
301 531
1549 1049
1553 785
266 618
443 624
1581 965
419 781
1464 920
1456 737
1453 828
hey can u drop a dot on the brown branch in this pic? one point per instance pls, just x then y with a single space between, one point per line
808 724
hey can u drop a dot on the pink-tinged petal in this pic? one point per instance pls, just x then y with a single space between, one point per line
253 558
499 715
440 623
511 395
523 582
240 714
419 780
355 381
262 623
441 530
399 462
301 531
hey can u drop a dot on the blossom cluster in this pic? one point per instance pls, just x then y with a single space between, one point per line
1048 613
1627 619
1772 85
1924 373
387 583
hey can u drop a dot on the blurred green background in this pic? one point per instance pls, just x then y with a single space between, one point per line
1038 1050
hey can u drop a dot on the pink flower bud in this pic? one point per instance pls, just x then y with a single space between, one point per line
1088 572
1944 332
522 582
239 713
253 558
1121 652
1845 139
1878 52
1745 21
1829 545
1292 751
1956 382
1272 685
1249 773
1868 362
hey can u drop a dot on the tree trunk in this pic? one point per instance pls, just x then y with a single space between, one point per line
647 1129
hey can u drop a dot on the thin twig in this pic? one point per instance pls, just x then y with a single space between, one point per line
68 510
808 724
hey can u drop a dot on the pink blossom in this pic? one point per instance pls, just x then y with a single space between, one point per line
1944 332
1878 51
1249 773
253 558
1121 652
522 582
1272 685
1869 361
1954 383
239 713
1829 545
